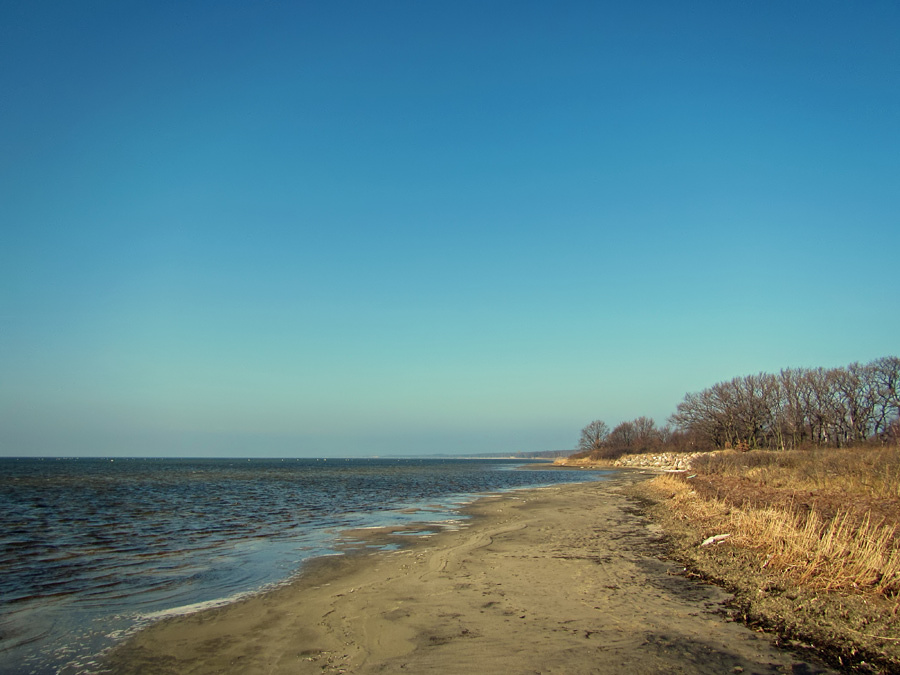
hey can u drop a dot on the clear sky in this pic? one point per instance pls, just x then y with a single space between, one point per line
351 228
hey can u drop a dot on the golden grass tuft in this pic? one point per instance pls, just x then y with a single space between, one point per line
837 553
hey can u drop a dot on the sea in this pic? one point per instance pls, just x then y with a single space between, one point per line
93 549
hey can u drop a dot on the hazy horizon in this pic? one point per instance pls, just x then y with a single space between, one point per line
346 229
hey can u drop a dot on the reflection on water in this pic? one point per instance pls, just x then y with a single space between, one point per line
89 545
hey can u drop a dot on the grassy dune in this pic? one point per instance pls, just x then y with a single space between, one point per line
813 545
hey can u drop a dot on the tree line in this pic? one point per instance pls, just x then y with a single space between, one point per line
798 407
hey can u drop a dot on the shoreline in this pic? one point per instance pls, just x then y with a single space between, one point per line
568 578
193 531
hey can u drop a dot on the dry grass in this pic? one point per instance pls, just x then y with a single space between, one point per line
870 472
846 549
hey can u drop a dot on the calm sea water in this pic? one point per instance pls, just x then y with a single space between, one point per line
92 548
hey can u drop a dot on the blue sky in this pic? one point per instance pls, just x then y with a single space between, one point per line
347 228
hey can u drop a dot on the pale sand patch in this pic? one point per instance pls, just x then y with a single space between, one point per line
568 579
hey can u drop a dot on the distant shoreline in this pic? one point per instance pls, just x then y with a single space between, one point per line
574 571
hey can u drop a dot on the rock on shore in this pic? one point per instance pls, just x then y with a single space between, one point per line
678 461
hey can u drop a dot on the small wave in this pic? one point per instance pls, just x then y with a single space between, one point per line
193 608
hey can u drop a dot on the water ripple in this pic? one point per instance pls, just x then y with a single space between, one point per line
88 545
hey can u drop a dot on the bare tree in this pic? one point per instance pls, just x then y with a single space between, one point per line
647 437
621 438
702 416
792 411
593 436
833 407
796 408
885 375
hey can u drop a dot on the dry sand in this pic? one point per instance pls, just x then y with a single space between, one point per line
568 579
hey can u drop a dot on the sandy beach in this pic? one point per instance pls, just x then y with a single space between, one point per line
568 579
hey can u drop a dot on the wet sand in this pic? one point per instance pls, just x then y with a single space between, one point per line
568 579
